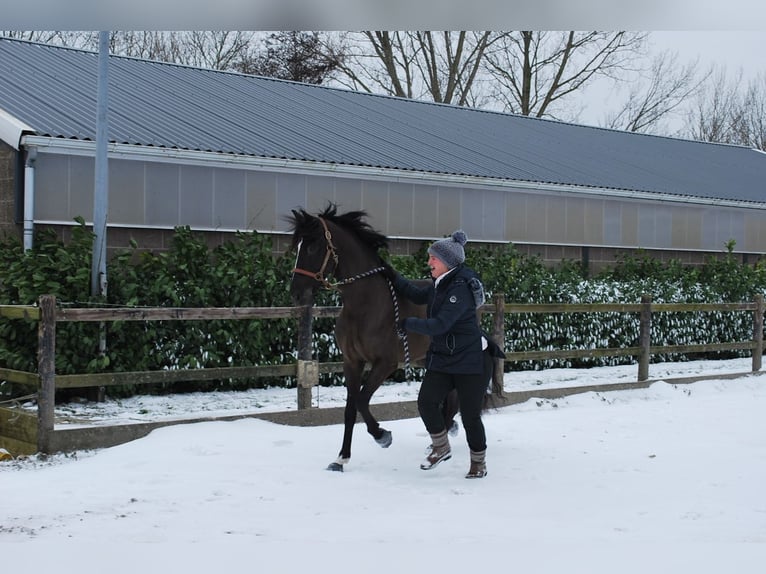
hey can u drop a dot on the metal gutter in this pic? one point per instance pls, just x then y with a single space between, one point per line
11 129
29 197
46 144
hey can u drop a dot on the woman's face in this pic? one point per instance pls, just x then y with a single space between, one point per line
438 267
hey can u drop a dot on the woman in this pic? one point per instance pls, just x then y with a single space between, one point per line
456 357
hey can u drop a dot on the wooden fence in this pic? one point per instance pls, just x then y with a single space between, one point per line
25 432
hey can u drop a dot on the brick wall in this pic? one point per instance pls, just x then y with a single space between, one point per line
7 182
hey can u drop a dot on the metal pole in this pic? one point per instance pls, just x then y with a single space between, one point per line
101 187
101 190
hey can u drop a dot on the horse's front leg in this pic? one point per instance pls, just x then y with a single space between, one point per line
353 376
377 375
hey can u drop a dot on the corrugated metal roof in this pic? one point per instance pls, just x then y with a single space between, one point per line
53 90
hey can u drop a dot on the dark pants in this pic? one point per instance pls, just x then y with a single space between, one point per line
470 391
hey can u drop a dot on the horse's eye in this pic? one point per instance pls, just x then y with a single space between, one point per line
312 248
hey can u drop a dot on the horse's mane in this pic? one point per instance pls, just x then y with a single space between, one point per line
303 224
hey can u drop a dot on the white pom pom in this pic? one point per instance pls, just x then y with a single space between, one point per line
459 237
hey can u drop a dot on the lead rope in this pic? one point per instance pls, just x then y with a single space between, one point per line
355 277
401 333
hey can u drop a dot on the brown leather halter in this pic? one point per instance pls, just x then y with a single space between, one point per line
333 253
330 253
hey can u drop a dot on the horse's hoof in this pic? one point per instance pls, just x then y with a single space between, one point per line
385 439
335 466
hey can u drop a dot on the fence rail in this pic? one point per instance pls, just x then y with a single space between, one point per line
17 427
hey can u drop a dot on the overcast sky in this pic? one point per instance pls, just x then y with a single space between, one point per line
389 15
732 50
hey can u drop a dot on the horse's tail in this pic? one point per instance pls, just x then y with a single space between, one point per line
492 353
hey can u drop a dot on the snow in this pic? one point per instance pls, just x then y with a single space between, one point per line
669 478
213 404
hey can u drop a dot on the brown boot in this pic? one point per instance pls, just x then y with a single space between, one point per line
478 465
440 450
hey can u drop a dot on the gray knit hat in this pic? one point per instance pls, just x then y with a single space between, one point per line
450 250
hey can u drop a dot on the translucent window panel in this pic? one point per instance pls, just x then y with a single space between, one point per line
686 227
681 220
448 211
261 202
472 213
536 219
556 220
424 202
755 232
575 220
738 227
612 223
81 185
722 229
375 203
728 225
647 225
493 215
196 206
663 226
516 217
291 192
162 198
709 232
401 205
348 194
595 222
629 222
126 192
693 228
320 193
52 187
229 199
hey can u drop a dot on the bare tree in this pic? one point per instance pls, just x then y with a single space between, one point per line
59 38
536 73
725 113
147 45
437 66
309 57
753 123
217 50
656 94
290 55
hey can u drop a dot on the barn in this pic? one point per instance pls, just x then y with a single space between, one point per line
222 152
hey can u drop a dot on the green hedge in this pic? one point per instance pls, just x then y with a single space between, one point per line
243 272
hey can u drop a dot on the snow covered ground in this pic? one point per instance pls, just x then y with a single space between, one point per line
666 479
212 404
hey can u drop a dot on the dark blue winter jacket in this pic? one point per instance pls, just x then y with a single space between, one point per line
450 321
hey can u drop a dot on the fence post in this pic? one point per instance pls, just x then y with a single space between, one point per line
498 334
46 371
307 369
644 337
758 333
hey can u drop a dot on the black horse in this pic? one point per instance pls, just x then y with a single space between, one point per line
340 251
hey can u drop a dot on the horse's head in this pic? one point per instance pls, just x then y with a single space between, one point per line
315 257
318 241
